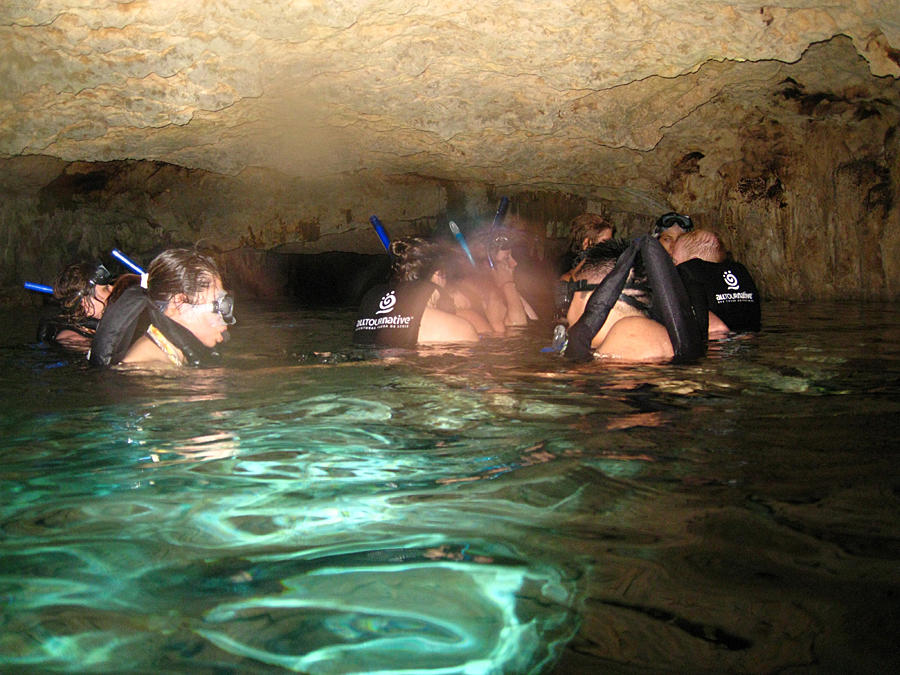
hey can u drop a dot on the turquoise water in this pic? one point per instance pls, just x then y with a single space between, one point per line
310 507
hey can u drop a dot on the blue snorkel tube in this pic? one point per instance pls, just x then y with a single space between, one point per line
498 220
40 288
382 234
501 212
454 228
121 257
134 267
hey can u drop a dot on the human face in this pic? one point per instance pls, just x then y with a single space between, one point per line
599 237
95 303
669 236
505 257
207 325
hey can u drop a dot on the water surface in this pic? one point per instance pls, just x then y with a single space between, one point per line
313 507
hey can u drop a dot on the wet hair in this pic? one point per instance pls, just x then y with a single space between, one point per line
75 283
123 281
587 226
180 271
703 244
599 261
414 258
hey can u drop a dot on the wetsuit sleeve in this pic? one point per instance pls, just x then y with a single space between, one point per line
598 306
671 302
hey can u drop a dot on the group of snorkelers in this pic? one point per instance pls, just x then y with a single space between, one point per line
657 297
177 313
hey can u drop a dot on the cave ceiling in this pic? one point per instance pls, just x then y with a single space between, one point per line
595 98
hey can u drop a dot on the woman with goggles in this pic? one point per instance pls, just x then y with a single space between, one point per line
669 227
179 319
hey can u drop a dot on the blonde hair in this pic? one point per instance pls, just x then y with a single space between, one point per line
703 244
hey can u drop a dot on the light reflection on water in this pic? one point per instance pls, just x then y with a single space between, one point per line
485 509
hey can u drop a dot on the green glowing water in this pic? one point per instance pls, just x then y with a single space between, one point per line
490 509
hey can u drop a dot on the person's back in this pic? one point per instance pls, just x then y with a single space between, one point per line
609 314
405 311
723 287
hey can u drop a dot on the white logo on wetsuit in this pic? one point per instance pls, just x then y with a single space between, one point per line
387 302
731 281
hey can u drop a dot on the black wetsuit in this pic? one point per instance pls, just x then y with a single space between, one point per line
671 305
390 314
726 289
128 318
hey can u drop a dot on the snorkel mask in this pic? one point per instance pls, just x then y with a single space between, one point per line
501 242
667 220
100 277
224 307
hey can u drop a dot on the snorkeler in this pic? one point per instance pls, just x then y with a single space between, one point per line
721 290
669 227
83 291
586 230
179 319
610 312
411 309
492 285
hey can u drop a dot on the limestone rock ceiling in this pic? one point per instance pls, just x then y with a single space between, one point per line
567 93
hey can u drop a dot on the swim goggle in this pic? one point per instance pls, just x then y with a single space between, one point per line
499 243
224 307
667 220
100 277
565 291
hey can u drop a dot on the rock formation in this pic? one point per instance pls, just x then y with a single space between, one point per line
282 126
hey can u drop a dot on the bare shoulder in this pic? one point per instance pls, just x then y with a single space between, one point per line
637 338
439 326
144 351
72 340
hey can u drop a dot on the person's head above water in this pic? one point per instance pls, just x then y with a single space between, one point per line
187 286
669 227
82 289
589 229
415 259
182 314
703 244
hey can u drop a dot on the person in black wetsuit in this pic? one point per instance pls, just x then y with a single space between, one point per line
721 291
82 290
180 318
410 309
632 306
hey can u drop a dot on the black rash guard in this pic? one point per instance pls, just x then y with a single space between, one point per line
671 305
390 314
726 289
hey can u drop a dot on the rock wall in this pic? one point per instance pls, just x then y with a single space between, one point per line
795 164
